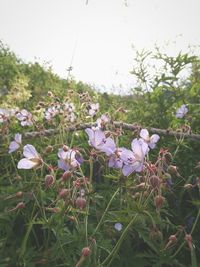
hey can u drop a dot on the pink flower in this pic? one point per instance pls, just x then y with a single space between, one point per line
32 158
151 141
14 145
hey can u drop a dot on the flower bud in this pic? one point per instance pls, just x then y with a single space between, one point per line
48 149
188 186
65 148
19 194
66 176
20 205
80 202
64 193
158 201
155 182
167 176
86 251
49 180
188 239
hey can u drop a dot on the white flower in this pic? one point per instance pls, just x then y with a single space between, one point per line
118 226
32 158
151 141
181 112
14 145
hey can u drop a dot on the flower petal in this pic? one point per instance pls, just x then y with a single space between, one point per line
18 138
26 164
13 146
30 152
144 134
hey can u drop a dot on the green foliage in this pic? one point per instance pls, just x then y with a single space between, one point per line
51 230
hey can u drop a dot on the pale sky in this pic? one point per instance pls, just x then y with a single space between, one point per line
97 37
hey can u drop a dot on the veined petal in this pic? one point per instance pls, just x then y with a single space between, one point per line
18 138
26 164
144 134
30 152
13 146
109 147
153 140
63 165
127 170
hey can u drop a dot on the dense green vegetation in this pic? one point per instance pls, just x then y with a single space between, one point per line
42 221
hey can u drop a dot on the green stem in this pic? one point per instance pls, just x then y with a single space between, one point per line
108 206
113 253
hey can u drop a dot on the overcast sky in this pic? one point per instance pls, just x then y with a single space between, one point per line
96 38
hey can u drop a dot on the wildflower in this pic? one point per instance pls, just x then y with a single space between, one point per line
68 107
181 112
4 115
115 160
25 117
51 112
69 159
32 158
134 160
98 140
118 226
102 121
14 145
151 141
93 109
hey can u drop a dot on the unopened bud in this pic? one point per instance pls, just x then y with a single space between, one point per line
188 239
173 238
158 201
19 194
48 149
64 193
173 170
155 182
65 148
81 202
66 176
20 205
167 176
86 251
188 186
49 180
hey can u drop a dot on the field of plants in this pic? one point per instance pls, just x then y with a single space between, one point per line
95 179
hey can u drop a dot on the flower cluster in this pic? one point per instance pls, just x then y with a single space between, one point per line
121 158
25 117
